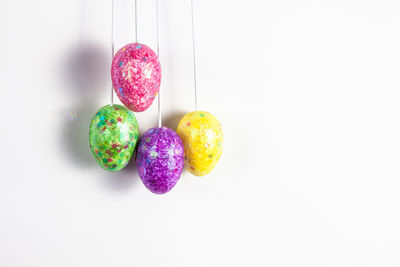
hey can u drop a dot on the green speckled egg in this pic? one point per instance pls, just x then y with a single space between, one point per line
113 136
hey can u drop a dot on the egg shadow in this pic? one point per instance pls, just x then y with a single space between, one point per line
124 179
84 69
172 120
74 139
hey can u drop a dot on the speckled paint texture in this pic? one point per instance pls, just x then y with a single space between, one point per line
113 136
160 159
136 76
202 137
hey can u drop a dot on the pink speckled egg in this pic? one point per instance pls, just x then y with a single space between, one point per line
136 76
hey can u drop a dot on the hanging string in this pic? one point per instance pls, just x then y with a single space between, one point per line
135 21
158 55
194 59
112 48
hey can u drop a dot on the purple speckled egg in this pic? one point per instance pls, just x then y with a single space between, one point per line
136 76
160 159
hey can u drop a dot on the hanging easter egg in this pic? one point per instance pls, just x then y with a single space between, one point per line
113 136
136 76
159 159
202 137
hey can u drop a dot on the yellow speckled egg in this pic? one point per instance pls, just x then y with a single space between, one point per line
202 137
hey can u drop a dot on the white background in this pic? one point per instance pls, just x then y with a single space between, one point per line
308 95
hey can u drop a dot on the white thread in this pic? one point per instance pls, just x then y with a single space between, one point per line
136 21
112 48
158 55
194 59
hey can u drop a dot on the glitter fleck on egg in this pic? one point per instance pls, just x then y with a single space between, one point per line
160 159
136 76
202 137
72 116
113 136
